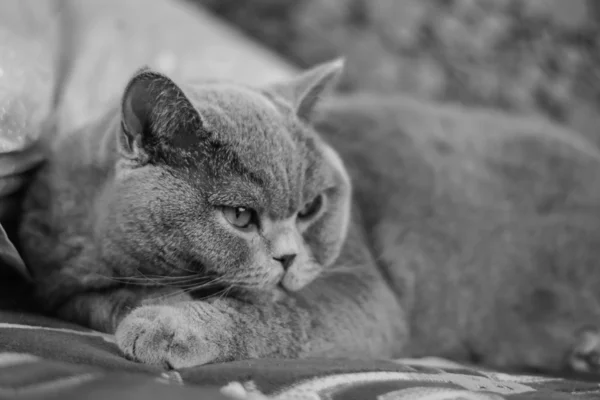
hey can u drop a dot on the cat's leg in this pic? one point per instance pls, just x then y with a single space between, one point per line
85 291
350 315
104 309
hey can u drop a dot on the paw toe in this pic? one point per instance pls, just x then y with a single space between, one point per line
143 332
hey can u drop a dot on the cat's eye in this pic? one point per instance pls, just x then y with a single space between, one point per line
240 217
311 208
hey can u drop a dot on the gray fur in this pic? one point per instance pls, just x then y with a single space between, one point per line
469 235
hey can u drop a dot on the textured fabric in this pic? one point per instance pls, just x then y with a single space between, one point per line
27 42
117 37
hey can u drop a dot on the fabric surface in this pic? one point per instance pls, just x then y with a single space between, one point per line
41 357
117 37
28 38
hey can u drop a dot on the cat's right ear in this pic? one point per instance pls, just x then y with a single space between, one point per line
157 119
136 110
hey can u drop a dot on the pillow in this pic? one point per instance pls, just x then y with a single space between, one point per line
116 37
27 40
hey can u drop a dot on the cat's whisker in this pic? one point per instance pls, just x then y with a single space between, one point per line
191 278
221 293
197 286
191 287
342 269
226 292
180 268
146 280
156 278
117 279
166 297
213 280
176 293
158 282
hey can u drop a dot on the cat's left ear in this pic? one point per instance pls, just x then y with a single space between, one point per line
305 90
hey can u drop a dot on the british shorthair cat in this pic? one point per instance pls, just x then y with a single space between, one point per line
214 222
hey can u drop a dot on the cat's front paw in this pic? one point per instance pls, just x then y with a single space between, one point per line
169 336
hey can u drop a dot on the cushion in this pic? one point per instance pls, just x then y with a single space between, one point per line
172 36
27 42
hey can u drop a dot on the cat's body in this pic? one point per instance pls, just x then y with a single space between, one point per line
485 226
470 236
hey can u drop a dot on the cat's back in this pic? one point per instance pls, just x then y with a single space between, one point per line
459 206
472 158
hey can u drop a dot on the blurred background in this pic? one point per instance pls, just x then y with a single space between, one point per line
521 56
532 57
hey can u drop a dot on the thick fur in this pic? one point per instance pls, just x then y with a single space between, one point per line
469 235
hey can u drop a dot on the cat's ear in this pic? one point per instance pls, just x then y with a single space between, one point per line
136 108
305 90
155 116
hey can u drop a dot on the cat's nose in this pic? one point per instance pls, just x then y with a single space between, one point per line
286 260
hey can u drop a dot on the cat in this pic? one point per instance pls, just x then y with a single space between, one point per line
215 221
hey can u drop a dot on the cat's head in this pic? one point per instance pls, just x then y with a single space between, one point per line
228 180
